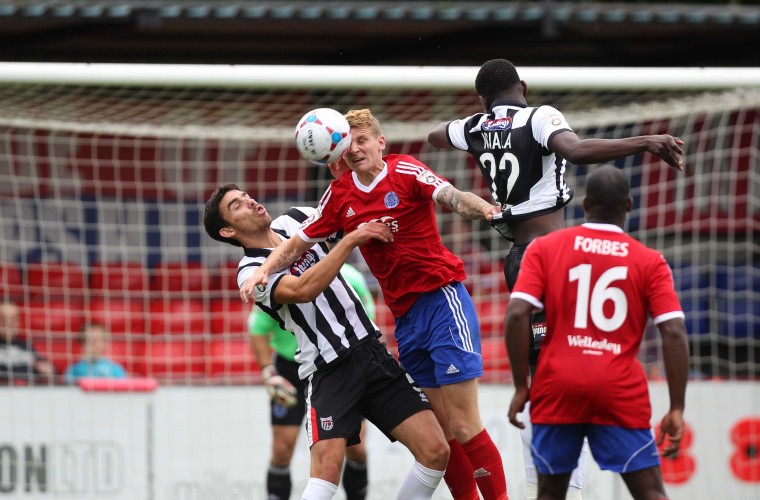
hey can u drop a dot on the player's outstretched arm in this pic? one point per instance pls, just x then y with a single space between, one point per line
568 145
438 137
675 350
285 254
468 205
516 336
307 287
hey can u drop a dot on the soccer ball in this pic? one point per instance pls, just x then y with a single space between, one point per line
323 135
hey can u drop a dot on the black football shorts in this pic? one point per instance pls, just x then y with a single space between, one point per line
369 383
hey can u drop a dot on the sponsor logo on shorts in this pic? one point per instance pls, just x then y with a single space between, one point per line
452 370
326 423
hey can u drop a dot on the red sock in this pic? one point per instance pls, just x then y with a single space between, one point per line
458 474
489 470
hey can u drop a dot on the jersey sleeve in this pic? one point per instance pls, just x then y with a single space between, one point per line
531 279
322 223
427 183
262 295
457 130
663 301
548 121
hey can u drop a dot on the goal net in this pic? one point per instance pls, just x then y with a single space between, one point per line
103 181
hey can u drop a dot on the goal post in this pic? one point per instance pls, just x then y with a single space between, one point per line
109 166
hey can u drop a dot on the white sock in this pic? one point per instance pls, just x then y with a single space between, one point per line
420 483
573 494
319 489
532 491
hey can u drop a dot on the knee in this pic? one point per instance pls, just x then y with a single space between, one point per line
327 470
357 453
465 429
282 452
435 455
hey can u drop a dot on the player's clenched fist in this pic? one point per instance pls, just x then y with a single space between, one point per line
280 390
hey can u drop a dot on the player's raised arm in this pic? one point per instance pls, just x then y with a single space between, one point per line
285 254
438 137
466 204
309 285
568 145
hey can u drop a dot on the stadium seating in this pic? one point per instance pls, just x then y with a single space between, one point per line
178 317
119 316
496 366
61 352
191 279
226 278
232 360
55 278
119 278
50 316
229 316
12 282
173 361
738 300
491 317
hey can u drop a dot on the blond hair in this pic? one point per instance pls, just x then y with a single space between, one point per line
363 118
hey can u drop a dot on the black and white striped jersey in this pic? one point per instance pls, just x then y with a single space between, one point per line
510 145
326 328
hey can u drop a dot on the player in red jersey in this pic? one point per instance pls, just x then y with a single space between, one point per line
436 325
597 285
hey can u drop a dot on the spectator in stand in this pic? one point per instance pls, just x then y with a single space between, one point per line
20 363
95 340
274 349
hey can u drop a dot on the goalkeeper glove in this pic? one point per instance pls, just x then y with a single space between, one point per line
280 390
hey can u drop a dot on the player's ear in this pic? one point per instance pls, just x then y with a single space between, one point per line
629 205
484 103
524 88
381 141
227 232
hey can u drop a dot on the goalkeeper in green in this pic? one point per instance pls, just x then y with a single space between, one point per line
274 349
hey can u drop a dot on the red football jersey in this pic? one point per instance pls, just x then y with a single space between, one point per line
598 285
402 197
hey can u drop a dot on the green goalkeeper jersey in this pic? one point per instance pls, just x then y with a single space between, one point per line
284 342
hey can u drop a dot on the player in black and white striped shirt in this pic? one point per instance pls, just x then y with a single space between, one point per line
523 152
347 372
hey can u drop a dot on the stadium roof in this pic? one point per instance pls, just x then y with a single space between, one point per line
380 32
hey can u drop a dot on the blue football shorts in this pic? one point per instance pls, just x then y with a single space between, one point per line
439 338
556 448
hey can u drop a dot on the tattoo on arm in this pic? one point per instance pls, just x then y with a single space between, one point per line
467 205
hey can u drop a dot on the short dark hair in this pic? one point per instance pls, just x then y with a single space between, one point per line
495 76
213 221
608 190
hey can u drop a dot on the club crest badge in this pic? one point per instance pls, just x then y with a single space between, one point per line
391 200
326 423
